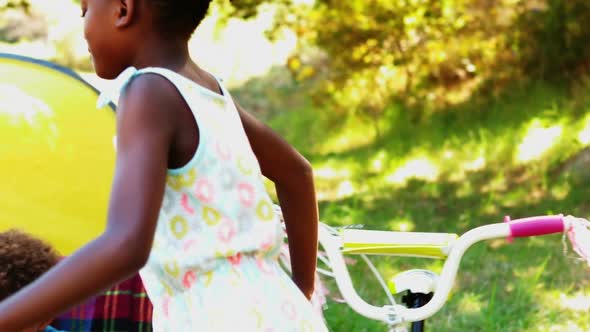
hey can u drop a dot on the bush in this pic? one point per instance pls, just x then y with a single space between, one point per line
554 39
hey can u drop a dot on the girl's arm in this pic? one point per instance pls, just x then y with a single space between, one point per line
144 133
293 178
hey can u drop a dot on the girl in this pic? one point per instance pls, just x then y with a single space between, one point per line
188 206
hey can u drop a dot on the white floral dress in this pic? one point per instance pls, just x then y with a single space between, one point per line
214 263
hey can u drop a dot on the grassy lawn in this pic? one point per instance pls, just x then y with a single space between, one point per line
452 171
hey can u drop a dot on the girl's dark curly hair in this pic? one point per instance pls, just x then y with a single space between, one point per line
23 259
179 17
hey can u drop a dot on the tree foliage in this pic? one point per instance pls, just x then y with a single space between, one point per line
554 40
14 4
426 52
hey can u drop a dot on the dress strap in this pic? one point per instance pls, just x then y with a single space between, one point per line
112 93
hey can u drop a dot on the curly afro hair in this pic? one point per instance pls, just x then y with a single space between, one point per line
179 17
23 259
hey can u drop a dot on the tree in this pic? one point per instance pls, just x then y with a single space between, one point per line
553 38
426 52
370 53
14 4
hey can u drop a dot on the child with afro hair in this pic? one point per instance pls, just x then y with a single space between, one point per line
23 259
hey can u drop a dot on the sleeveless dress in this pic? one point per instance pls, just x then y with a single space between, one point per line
214 262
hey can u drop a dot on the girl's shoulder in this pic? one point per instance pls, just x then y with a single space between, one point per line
150 82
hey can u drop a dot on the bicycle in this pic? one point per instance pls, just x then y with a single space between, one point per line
426 292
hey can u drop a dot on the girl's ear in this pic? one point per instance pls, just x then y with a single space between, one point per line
125 13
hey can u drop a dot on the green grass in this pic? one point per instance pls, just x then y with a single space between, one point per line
471 174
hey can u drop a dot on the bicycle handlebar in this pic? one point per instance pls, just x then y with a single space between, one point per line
398 314
535 226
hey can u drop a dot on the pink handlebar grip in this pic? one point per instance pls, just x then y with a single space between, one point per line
534 226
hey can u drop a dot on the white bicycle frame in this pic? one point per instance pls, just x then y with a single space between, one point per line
333 242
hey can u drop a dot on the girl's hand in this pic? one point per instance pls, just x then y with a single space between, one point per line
308 293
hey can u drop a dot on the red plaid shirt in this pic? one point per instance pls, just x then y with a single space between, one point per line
123 308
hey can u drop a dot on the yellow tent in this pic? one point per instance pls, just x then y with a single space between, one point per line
56 153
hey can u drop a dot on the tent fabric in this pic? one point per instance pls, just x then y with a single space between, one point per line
56 153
